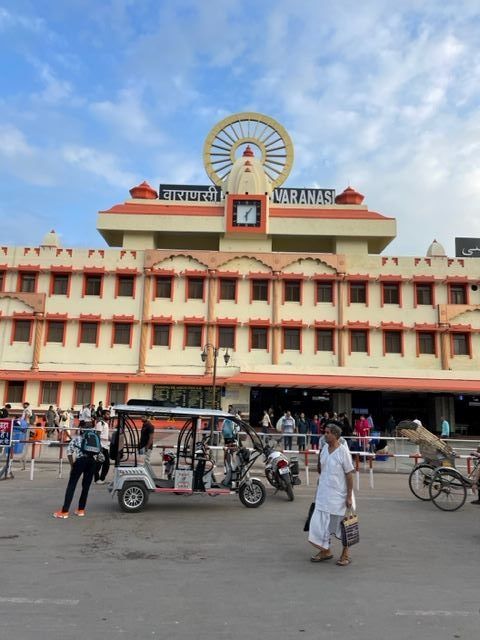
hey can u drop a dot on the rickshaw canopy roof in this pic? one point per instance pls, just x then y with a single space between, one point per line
181 412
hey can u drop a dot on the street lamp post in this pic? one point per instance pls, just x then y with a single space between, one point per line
215 352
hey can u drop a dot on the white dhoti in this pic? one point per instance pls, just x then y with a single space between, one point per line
322 526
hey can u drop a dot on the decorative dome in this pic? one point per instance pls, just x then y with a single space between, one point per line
247 176
349 196
51 239
436 250
143 192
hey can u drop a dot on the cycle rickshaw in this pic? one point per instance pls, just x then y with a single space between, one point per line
436 478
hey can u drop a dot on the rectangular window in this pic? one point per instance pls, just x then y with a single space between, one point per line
457 294
88 332
291 339
259 337
426 342
93 285
358 292
15 391
324 339
260 290
125 286
195 288
22 330
461 346
226 337
117 393
163 287
50 392
55 331
2 280
393 342
161 335
292 290
391 293
424 293
121 332
358 338
193 335
60 283
324 291
228 289
83 393
28 282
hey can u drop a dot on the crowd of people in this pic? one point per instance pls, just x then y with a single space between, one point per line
306 432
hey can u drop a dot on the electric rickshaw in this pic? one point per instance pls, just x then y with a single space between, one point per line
135 479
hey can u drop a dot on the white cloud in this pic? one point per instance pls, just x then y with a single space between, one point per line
55 90
101 164
13 142
128 117
10 20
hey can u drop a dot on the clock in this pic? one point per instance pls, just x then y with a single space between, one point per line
247 213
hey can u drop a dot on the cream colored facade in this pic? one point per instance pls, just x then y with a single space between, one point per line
297 255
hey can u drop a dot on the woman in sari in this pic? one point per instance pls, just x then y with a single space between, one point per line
334 496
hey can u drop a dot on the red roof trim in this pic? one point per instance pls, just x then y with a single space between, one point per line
432 385
336 214
186 209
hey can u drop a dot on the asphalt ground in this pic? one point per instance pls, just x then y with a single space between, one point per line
202 567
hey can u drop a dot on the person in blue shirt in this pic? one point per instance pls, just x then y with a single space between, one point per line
445 426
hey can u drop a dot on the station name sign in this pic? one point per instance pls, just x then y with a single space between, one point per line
199 193
467 247
190 193
303 196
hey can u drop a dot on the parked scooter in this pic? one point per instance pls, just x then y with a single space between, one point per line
281 472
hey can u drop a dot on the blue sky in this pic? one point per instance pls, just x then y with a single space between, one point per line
98 96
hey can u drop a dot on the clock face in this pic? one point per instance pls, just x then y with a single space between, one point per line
247 213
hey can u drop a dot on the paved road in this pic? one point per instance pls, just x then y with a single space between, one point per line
197 568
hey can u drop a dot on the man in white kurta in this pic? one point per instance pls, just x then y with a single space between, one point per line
331 497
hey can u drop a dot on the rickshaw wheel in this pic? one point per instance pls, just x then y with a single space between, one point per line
419 480
133 497
252 494
447 489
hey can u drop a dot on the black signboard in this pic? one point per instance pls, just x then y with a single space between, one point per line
195 397
303 196
190 193
202 193
467 247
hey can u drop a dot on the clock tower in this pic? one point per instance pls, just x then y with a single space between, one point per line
247 155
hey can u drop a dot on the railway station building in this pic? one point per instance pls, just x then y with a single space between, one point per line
271 296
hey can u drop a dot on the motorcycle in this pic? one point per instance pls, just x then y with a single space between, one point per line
281 472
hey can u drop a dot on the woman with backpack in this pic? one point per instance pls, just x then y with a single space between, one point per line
82 453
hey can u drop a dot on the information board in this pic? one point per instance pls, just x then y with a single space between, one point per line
5 432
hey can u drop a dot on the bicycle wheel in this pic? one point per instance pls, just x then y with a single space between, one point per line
419 480
447 490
